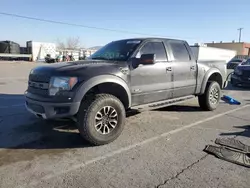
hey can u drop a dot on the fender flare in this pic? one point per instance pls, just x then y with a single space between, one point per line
92 82
207 76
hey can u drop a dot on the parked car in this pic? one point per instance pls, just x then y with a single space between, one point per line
241 74
234 63
49 59
127 74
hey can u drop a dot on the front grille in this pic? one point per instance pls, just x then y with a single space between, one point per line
39 78
37 91
38 84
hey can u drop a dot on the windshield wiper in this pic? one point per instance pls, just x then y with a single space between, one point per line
108 59
101 58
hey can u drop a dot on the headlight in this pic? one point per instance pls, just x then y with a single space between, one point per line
58 84
237 71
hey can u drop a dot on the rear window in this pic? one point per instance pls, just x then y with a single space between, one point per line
156 48
180 51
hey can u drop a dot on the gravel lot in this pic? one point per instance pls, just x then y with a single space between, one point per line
159 148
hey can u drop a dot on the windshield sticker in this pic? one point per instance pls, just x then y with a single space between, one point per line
133 42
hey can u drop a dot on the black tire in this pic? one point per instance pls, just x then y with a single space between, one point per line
86 119
204 100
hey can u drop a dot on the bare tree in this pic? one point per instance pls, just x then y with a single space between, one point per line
71 43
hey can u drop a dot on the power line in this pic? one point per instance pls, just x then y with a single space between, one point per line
80 25
73 24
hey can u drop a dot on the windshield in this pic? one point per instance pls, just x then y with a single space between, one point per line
236 61
117 51
246 62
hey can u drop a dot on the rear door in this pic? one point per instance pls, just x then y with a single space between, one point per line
151 83
184 69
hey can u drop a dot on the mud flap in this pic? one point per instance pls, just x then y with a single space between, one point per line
232 143
230 155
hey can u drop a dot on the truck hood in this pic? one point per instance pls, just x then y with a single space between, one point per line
80 68
243 67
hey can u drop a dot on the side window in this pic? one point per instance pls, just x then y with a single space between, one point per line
156 48
147 49
180 51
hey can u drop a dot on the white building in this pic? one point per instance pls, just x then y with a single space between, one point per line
39 50
88 52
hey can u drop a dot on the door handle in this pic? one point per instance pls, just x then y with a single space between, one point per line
169 69
192 68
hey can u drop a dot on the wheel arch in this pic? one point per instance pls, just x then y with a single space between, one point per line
109 84
212 75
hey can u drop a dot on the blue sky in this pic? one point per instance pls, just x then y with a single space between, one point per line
193 20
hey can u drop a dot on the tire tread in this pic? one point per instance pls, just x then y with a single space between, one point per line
85 108
204 98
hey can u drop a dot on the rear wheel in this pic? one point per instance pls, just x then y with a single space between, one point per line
211 98
101 119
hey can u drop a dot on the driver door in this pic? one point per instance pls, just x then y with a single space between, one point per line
152 82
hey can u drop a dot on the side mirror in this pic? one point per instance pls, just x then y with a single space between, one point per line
147 59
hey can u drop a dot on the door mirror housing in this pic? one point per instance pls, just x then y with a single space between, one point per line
147 59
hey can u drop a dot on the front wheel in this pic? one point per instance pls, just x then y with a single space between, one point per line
211 98
101 119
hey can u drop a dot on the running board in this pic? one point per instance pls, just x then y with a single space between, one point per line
161 104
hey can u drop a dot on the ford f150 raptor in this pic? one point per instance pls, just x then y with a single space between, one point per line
141 73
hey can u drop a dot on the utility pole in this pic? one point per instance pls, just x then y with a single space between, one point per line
240 33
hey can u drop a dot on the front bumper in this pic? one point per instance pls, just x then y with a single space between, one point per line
239 80
49 110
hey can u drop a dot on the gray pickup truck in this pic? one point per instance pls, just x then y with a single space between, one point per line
142 73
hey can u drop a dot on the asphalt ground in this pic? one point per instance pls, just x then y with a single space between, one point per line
158 148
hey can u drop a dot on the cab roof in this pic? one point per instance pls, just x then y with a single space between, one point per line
151 38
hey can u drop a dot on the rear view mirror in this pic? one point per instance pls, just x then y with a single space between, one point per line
147 59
